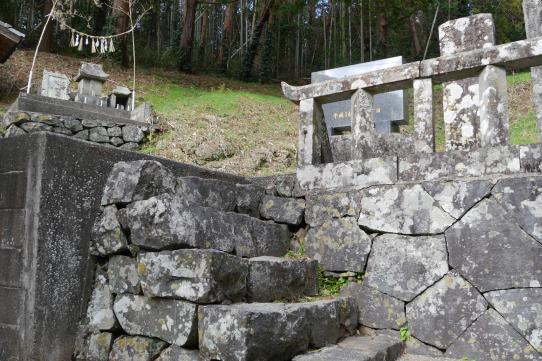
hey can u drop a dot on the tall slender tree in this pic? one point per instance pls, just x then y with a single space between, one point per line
187 37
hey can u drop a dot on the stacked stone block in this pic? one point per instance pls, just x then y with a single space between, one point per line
195 269
121 135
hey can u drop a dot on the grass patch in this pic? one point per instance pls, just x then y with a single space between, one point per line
524 130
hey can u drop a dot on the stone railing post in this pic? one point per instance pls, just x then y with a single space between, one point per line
460 98
532 10
424 130
493 107
314 146
363 126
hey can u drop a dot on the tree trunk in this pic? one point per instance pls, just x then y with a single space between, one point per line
121 8
187 37
255 40
361 33
227 38
157 16
48 40
100 16
203 37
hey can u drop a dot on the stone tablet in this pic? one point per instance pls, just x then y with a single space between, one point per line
389 107
55 85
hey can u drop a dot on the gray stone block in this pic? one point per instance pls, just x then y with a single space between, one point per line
114 131
170 320
12 228
415 348
98 135
273 278
322 207
268 239
530 155
457 197
491 338
130 146
492 252
63 131
9 343
122 274
11 300
339 245
132 133
202 276
323 322
207 193
31 127
93 123
353 174
376 309
406 209
107 235
248 199
12 267
99 346
134 181
522 308
522 198
15 118
48 119
403 266
83 134
73 124
258 331
176 353
100 313
444 311
116 141
136 348
14 131
13 190
283 210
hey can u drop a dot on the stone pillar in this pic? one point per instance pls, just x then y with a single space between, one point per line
532 10
314 146
493 107
424 130
363 125
461 98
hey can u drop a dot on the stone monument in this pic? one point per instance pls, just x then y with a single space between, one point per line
55 85
461 99
389 107
91 78
121 98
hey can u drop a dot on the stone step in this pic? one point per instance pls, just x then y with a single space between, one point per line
411 357
210 276
272 331
381 347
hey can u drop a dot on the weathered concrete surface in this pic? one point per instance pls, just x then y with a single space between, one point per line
376 309
122 275
175 353
135 181
208 193
322 207
406 209
170 320
356 173
339 245
522 198
283 210
313 142
107 235
492 252
246 332
272 278
532 12
424 129
494 123
403 267
457 197
202 276
457 164
444 311
522 308
491 338
136 348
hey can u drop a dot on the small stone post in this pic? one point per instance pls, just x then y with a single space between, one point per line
363 126
532 10
461 98
424 130
493 107
314 146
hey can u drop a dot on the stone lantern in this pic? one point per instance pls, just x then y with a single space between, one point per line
90 81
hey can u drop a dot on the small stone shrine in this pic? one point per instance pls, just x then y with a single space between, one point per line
9 39
90 81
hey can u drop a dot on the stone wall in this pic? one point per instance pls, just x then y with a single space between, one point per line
127 136
49 197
